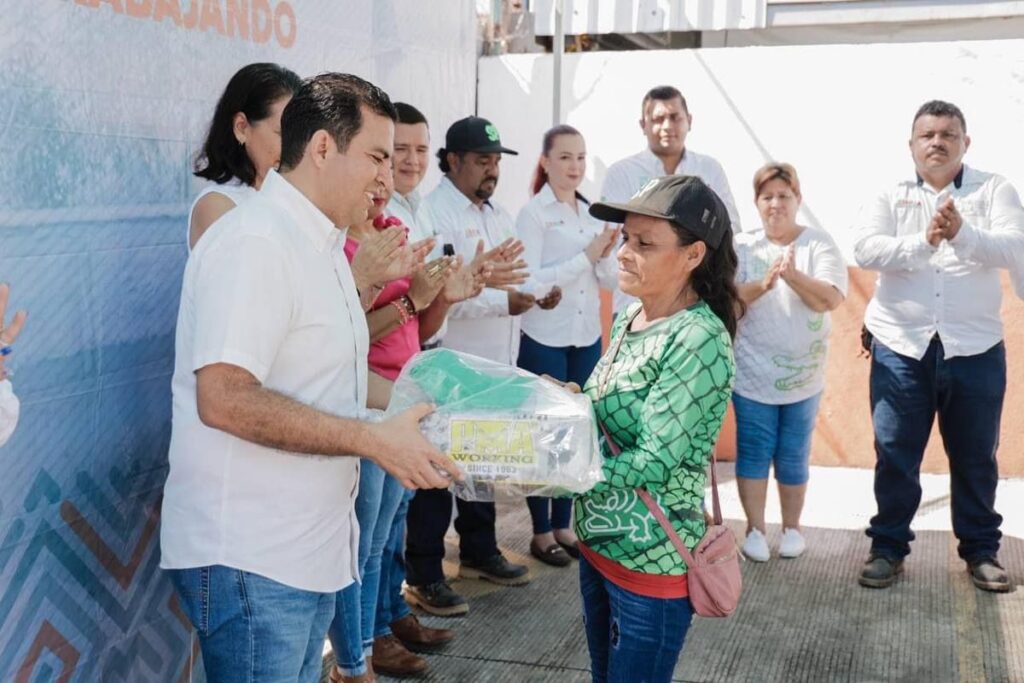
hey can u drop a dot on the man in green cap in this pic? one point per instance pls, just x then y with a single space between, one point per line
461 212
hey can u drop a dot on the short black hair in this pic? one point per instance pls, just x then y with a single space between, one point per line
331 102
409 114
662 93
252 91
442 159
940 108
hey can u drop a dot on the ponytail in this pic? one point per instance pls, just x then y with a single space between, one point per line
540 178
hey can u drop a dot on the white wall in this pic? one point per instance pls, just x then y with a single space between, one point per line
840 113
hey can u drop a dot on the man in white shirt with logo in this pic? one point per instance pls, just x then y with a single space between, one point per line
488 326
665 120
270 380
938 241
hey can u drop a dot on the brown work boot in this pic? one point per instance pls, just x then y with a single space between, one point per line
392 659
988 575
415 635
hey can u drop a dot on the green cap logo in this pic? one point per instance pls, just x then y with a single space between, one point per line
492 133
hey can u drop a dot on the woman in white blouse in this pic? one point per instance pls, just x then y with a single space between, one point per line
569 255
790 277
9 405
243 143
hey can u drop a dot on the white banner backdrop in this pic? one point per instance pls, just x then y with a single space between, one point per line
840 113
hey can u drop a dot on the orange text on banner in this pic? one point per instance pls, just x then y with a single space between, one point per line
254 20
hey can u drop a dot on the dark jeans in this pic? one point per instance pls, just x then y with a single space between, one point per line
967 394
631 637
430 512
566 364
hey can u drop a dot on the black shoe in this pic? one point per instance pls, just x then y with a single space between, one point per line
988 575
496 570
880 571
437 598
573 549
553 555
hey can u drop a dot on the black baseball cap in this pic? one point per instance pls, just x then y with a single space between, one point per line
685 200
474 134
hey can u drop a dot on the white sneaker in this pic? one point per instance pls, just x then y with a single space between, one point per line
792 544
756 547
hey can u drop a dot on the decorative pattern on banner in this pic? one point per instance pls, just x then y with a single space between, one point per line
103 104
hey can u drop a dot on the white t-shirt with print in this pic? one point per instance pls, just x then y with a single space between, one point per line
781 344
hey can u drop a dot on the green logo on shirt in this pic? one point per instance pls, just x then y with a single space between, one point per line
803 369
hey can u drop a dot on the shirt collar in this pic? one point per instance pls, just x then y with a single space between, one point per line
312 222
957 181
460 200
655 161
410 201
547 196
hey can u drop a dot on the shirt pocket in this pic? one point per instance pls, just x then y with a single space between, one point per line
974 212
911 218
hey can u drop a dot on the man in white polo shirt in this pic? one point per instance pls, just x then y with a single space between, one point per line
412 154
460 210
665 120
269 384
938 241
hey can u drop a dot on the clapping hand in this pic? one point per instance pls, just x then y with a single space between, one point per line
519 302
772 276
464 282
787 264
602 244
945 224
551 299
428 281
8 333
505 269
385 256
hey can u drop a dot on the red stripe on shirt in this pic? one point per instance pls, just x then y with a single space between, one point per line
647 585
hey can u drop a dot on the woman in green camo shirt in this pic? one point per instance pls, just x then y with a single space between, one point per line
662 396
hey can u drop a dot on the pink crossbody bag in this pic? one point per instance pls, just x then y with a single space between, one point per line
713 568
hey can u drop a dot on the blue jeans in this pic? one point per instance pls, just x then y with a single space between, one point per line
252 628
967 394
566 364
391 606
631 637
378 499
346 636
779 434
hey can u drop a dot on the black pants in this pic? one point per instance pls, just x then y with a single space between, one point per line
430 513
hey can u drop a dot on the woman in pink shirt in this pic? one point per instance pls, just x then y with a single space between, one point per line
404 313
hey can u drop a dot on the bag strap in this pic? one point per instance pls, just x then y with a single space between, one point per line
659 515
645 496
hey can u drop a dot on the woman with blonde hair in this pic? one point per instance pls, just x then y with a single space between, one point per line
790 277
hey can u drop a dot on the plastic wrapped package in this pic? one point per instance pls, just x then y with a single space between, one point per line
511 432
